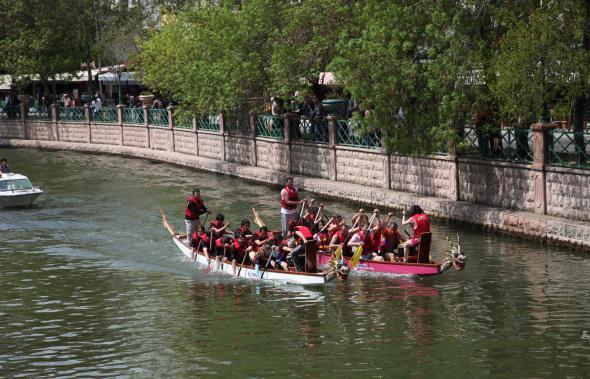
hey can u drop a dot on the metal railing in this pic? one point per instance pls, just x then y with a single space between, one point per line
71 114
314 130
158 117
350 133
39 113
182 120
506 144
106 115
237 123
209 122
133 116
569 148
270 126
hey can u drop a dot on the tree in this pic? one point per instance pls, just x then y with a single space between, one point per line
33 43
307 43
212 57
421 61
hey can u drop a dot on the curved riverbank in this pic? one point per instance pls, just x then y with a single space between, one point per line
548 228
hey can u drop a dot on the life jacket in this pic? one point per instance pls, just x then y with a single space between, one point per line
240 248
422 224
374 239
305 231
292 195
389 241
324 241
192 212
345 248
205 238
217 225
244 230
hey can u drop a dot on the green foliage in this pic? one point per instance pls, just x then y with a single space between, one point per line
424 69
542 59
307 43
34 43
213 57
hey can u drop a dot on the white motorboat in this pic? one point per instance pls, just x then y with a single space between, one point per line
17 191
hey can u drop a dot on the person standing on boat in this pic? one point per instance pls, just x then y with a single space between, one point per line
194 208
289 202
4 169
420 224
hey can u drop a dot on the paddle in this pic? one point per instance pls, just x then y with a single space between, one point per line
354 261
267 263
338 251
320 212
305 205
257 220
242 265
324 228
223 256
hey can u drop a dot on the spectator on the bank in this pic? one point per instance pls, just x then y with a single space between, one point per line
78 100
64 99
157 103
276 106
96 107
318 111
70 101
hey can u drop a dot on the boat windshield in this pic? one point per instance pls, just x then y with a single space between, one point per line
13 185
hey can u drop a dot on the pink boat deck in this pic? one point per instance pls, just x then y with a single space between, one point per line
421 269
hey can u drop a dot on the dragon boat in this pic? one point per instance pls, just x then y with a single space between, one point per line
311 274
416 265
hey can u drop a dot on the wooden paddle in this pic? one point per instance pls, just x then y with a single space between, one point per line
305 205
267 263
223 256
242 265
356 257
320 212
324 228
338 251
257 220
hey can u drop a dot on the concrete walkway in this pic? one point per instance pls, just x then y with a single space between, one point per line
546 228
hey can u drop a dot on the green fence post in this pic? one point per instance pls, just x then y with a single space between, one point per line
253 118
54 124
287 122
332 132
120 108
170 110
88 123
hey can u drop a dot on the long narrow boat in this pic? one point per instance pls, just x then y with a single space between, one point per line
249 271
398 268
421 267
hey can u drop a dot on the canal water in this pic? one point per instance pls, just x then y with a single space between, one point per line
92 285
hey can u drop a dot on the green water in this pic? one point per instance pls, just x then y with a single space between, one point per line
92 285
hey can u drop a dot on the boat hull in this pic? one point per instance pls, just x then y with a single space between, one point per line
249 272
397 268
19 198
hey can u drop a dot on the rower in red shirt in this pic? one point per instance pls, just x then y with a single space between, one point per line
420 224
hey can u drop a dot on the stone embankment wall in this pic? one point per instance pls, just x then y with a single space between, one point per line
457 188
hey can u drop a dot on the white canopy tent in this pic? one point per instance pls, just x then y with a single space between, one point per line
111 78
